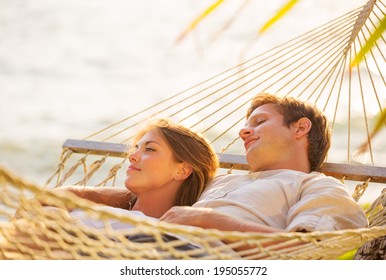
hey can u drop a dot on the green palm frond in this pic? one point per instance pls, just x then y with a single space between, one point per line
370 43
381 117
280 14
198 19
289 4
381 121
230 21
379 124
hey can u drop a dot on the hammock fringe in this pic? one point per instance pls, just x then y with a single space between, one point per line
314 67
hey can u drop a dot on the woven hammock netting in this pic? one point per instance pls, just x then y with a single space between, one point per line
316 67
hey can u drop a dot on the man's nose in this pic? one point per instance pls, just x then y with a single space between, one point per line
245 132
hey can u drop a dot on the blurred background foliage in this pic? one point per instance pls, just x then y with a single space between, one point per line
285 8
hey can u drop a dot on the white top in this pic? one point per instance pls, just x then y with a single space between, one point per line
285 199
82 217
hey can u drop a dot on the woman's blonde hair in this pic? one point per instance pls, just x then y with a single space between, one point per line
190 147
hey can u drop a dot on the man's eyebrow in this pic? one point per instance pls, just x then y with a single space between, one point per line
258 115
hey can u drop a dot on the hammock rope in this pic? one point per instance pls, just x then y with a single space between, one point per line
315 67
309 64
64 240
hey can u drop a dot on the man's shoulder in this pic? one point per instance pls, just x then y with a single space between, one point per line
304 179
321 176
227 177
314 175
279 173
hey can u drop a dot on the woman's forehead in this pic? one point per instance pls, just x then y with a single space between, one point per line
151 135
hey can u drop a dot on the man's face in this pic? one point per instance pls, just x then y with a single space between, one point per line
267 140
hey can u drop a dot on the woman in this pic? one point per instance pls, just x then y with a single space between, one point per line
170 165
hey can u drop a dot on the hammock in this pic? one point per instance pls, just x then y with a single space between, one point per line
315 67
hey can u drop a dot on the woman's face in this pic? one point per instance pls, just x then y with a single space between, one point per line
152 165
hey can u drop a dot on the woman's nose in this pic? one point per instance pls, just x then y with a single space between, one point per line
133 157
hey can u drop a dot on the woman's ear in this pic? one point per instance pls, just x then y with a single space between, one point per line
183 172
301 127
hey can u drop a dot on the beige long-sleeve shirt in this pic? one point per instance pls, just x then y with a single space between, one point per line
285 199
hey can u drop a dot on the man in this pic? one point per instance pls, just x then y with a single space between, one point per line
285 140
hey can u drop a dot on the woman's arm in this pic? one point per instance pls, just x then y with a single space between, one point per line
111 196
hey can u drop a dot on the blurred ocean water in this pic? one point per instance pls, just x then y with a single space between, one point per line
69 68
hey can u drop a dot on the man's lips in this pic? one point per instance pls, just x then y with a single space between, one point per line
249 141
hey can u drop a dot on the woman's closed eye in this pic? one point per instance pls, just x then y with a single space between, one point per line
146 149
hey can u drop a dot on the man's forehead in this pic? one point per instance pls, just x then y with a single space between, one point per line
266 109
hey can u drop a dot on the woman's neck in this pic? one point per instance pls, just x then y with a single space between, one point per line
154 205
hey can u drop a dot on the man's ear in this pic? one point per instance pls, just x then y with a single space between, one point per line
183 172
301 127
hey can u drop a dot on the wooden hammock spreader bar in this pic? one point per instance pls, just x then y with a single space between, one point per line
95 147
350 172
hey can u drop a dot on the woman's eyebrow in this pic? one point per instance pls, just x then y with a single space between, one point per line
138 144
152 141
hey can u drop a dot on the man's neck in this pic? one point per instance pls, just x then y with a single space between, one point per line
296 166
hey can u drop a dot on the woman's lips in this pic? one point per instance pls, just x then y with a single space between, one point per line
132 168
